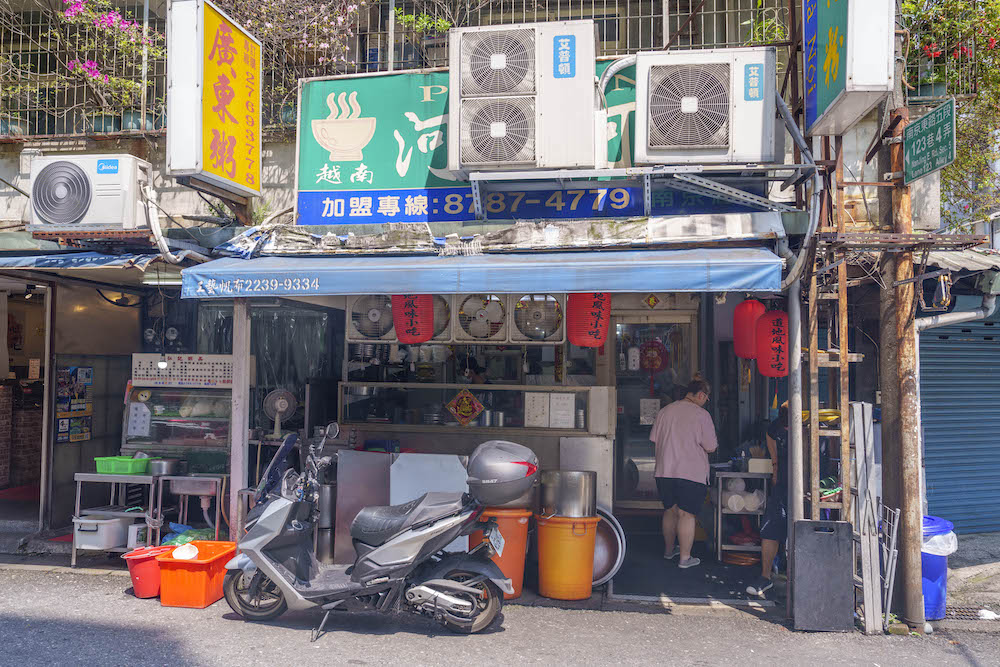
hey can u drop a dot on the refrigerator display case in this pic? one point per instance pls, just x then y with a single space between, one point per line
158 418
178 404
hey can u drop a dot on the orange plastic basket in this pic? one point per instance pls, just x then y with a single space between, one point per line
195 583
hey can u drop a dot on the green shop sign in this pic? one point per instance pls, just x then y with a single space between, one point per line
373 149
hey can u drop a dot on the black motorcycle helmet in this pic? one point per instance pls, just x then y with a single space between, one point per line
501 471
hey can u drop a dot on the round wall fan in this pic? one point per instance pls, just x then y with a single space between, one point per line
538 316
279 405
372 316
481 316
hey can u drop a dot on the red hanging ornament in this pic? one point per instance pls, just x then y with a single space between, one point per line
653 358
772 344
413 317
744 328
587 317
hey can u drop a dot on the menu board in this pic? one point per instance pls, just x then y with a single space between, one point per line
536 409
561 410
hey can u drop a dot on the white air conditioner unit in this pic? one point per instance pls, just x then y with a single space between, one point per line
369 319
713 106
79 192
538 318
523 97
480 318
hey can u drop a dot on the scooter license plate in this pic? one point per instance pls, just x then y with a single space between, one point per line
496 541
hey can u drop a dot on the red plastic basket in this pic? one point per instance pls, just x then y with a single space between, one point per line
195 583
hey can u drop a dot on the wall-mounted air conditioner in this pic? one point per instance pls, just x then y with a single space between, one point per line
523 97
78 192
711 106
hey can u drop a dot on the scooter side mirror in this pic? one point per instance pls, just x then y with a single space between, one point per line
332 430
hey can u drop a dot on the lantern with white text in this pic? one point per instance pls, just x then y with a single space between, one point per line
587 318
772 344
413 317
744 328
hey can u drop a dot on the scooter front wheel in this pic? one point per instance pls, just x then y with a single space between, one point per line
253 596
486 605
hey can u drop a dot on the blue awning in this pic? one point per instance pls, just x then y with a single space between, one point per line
705 270
77 260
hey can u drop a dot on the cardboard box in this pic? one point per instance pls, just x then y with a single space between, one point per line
759 465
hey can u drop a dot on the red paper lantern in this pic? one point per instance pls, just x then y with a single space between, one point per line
744 328
772 344
587 317
413 317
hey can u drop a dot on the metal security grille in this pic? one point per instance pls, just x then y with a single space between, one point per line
959 392
376 36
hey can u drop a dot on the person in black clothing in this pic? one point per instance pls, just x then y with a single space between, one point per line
774 527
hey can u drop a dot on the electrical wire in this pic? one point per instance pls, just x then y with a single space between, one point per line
120 305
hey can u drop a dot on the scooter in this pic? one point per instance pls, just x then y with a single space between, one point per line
400 563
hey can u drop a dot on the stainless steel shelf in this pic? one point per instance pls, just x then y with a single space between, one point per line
740 547
113 479
115 511
757 513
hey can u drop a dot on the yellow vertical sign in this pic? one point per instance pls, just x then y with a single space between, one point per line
230 102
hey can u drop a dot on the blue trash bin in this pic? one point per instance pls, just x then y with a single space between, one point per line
934 571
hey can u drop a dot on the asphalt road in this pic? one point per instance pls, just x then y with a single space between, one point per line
65 618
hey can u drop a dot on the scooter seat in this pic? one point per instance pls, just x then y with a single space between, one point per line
375 525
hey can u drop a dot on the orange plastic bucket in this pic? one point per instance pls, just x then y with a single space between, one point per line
566 557
513 526
195 583
145 570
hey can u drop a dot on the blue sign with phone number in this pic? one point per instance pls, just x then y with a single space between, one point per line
355 207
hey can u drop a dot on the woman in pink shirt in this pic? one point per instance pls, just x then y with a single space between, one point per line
684 435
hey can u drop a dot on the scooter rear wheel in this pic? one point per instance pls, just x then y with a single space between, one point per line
268 604
487 605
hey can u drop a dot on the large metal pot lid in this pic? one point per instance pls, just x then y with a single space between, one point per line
609 547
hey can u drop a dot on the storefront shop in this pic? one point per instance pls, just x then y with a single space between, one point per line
500 366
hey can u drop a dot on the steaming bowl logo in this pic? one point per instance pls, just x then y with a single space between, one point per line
343 132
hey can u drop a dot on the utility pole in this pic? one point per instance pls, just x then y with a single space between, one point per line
911 512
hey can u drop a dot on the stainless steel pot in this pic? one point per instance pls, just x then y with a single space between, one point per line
569 493
160 467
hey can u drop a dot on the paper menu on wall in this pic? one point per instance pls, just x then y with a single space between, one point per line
561 410
648 407
536 409
34 369
138 420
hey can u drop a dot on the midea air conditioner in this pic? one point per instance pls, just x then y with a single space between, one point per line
712 106
89 191
523 97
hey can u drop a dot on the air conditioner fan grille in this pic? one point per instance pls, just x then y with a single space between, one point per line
61 193
689 106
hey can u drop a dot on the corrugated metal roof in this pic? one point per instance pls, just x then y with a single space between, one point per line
965 260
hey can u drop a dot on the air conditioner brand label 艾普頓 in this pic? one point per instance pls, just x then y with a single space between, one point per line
564 56
753 82
107 166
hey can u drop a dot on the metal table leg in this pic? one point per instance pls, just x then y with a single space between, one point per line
218 506
76 514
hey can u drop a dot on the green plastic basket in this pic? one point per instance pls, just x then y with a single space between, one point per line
122 465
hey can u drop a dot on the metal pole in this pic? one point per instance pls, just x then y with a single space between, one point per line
391 27
48 395
239 447
911 515
796 485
